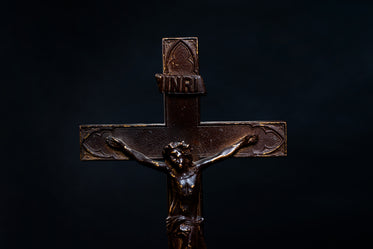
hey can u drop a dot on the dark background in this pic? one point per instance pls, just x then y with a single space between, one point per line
67 63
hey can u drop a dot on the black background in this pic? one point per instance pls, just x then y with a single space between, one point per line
70 63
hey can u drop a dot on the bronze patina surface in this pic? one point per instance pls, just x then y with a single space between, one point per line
183 146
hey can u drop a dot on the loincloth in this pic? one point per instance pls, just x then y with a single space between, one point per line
182 226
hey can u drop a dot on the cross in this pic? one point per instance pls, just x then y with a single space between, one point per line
183 143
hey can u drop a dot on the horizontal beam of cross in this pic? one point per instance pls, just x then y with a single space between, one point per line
205 139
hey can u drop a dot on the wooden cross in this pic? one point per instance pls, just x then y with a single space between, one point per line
182 86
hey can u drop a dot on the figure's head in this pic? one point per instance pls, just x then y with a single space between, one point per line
178 155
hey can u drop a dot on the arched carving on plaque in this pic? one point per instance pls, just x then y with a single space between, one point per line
180 60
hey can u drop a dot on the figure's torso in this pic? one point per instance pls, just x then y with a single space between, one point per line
186 185
185 197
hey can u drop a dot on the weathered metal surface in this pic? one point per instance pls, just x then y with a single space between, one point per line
206 139
183 145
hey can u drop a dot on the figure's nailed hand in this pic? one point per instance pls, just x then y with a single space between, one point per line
114 142
250 139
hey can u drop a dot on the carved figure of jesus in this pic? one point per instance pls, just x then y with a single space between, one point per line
183 222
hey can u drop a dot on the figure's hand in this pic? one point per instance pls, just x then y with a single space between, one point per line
249 140
115 142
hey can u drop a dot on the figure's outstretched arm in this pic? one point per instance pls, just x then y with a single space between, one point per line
229 151
118 144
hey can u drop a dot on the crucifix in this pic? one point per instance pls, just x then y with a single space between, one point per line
182 146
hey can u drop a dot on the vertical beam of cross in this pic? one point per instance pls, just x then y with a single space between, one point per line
180 82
